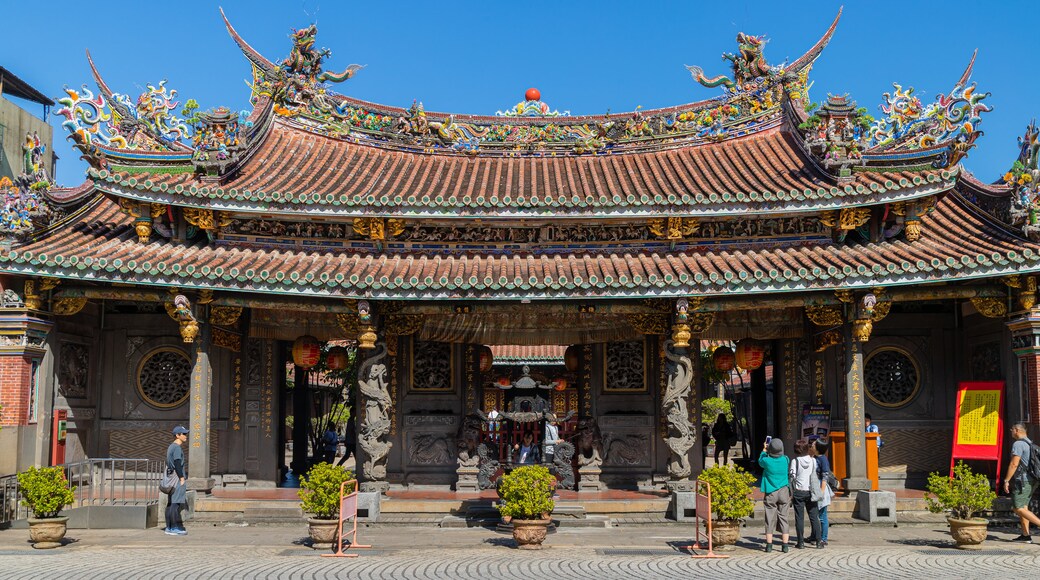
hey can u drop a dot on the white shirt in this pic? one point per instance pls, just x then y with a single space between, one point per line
801 471
552 433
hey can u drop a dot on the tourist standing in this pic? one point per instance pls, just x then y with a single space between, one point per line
823 468
807 492
723 434
526 450
873 428
552 437
178 495
777 489
349 439
329 445
1018 483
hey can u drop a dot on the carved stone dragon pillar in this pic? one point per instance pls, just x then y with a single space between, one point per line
374 429
674 405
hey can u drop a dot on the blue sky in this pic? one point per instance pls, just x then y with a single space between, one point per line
478 57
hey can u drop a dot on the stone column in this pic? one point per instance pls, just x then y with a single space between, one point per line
675 406
855 334
199 401
374 407
1025 343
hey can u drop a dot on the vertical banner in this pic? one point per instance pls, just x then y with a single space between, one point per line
816 422
978 429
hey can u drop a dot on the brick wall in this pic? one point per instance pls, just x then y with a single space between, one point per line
14 389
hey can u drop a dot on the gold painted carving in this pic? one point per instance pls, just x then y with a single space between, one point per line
844 295
861 329
701 321
829 218
649 323
827 340
899 208
68 306
853 217
157 209
824 315
681 335
226 339
404 324
913 230
205 296
48 284
1027 298
32 299
673 228
205 219
348 323
225 315
1012 281
144 230
378 229
880 311
990 307
130 207
367 338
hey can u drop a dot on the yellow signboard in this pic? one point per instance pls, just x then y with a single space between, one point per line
978 421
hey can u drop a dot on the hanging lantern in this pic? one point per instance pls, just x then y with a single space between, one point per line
723 359
487 358
571 357
504 382
750 354
337 359
560 384
306 351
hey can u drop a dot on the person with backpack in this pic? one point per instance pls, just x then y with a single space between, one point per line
1021 479
826 477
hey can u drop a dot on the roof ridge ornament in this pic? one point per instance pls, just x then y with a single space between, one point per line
1024 181
748 64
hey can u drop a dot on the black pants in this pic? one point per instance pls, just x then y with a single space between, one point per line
348 451
802 503
173 516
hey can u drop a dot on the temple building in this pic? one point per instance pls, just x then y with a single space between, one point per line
530 262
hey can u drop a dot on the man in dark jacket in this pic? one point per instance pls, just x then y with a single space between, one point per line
177 500
349 440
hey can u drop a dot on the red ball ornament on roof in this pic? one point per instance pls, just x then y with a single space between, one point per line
533 94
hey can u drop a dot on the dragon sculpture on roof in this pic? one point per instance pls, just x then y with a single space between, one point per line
748 64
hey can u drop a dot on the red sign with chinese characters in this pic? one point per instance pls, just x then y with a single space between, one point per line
978 430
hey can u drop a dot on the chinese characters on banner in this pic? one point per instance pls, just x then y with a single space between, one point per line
978 430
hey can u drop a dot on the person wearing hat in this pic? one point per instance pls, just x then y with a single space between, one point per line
177 500
776 485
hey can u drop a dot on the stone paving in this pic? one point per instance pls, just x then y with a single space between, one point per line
423 552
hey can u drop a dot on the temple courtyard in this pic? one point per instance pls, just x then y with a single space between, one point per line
906 551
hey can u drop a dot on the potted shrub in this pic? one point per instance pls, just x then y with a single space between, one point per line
731 501
526 494
963 497
46 491
319 495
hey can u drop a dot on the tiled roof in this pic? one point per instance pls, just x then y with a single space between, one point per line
300 172
957 242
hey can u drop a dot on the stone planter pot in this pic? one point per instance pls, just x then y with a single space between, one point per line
529 534
47 532
969 534
323 532
724 533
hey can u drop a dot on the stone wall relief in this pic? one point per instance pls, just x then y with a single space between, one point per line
432 366
626 366
73 369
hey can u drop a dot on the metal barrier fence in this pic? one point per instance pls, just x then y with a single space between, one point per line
105 481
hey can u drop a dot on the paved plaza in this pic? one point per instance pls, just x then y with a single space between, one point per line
916 551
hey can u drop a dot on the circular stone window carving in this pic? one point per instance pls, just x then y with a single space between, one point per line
892 376
164 378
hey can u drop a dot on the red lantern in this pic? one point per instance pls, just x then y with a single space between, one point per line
750 354
571 357
306 351
723 359
533 94
487 358
337 359
560 384
504 381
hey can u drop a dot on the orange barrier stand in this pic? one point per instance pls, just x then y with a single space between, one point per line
348 506
703 490
838 446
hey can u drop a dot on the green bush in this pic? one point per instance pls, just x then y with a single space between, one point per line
527 492
319 490
730 492
963 497
45 491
